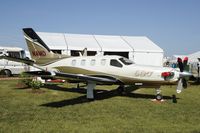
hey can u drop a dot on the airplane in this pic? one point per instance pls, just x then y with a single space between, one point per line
94 70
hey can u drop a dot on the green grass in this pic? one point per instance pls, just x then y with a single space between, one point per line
64 109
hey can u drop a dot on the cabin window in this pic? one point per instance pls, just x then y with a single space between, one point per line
116 63
73 62
92 63
126 61
83 62
103 62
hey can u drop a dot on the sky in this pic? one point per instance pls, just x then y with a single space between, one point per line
174 25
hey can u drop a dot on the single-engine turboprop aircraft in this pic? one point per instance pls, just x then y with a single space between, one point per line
99 69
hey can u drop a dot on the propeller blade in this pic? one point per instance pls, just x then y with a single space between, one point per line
183 75
184 81
180 64
185 62
179 86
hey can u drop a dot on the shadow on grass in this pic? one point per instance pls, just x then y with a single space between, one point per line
195 83
99 95
75 90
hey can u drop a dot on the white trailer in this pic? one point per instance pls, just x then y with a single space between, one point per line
9 68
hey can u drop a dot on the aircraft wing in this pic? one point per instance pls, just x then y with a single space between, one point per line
94 78
79 77
26 61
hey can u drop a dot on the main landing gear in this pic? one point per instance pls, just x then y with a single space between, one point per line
121 89
90 90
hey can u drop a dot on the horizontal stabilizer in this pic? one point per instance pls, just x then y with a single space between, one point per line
26 61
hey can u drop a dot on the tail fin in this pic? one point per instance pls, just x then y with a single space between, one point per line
39 51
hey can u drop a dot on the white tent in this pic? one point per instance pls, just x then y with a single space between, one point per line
145 51
195 56
139 49
191 57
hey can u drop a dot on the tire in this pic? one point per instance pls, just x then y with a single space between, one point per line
6 73
159 97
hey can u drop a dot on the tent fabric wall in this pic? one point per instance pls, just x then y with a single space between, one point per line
112 43
142 44
141 49
53 40
144 58
79 42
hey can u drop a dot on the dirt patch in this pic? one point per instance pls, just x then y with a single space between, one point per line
36 91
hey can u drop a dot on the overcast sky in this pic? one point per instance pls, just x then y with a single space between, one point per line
174 25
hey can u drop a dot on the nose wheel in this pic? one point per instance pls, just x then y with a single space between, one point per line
159 96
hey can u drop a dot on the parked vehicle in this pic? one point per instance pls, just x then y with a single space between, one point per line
9 68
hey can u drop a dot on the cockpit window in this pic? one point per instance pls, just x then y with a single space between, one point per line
116 63
126 61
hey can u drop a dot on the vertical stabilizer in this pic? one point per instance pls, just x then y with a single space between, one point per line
39 51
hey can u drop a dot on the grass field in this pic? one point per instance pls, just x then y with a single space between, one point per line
63 108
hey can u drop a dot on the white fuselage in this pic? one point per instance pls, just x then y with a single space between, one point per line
128 73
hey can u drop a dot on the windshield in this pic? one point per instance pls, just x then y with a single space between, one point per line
126 61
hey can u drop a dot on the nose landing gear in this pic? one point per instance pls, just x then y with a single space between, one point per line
159 96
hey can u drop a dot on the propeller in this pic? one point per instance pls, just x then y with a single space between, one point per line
182 83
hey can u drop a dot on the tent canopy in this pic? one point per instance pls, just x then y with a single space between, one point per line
142 44
99 42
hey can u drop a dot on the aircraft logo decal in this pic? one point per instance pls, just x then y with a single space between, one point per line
39 53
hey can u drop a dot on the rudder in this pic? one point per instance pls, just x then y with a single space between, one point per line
39 51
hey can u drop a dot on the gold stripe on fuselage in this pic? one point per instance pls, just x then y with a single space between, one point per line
125 80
